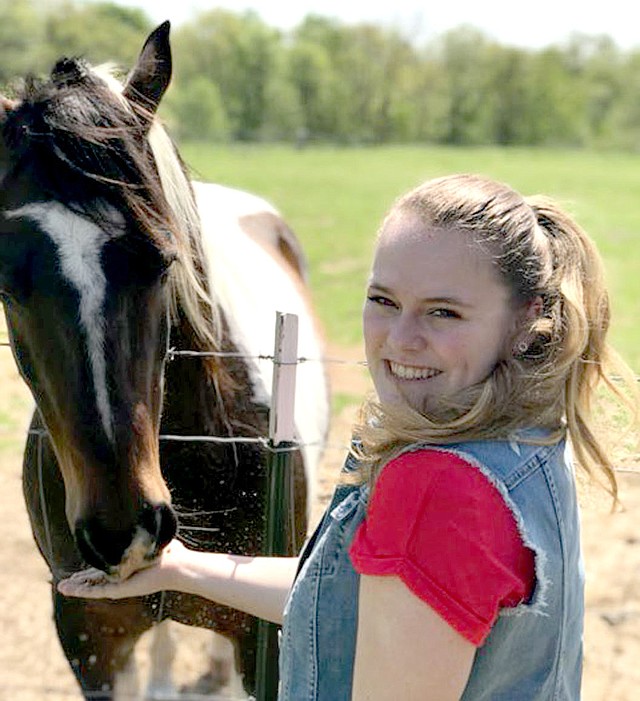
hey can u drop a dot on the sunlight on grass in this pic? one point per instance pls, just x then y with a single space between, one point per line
339 401
334 198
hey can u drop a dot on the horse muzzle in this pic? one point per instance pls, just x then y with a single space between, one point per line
122 551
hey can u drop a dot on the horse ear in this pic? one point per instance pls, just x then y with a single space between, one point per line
151 75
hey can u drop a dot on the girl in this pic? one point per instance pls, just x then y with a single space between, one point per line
448 564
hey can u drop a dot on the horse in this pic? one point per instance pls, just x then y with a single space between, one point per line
112 261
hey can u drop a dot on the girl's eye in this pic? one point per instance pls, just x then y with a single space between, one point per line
382 301
444 314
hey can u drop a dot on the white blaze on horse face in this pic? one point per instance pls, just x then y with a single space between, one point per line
79 244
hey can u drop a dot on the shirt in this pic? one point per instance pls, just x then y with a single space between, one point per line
443 528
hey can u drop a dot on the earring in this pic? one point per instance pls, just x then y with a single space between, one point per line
521 348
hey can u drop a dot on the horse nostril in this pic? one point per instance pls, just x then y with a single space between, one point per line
160 521
100 547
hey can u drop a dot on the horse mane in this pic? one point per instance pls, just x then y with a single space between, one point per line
189 281
82 140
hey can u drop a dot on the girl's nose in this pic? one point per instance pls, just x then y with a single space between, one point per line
406 333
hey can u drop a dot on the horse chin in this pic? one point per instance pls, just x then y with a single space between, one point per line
142 553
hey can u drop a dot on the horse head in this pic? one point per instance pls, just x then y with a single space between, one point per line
87 242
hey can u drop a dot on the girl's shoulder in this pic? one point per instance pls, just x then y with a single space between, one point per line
443 527
500 459
427 484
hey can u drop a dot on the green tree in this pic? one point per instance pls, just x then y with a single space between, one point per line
21 36
317 44
557 101
371 67
194 110
237 52
101 32
348 78
509 94
421 112
311 74
237 78
624 119
600 66
283 117
463 54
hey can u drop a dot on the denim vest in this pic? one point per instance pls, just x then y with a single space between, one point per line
534 650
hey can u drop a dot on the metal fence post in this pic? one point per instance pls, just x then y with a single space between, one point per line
279 477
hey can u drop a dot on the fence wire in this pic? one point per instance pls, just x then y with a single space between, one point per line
264 442
51 690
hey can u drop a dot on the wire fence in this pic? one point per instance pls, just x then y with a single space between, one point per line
264 441
61 694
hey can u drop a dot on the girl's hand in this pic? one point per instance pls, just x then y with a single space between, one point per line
95 584
257 585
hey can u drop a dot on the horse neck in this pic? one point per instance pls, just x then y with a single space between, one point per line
209 393
219 386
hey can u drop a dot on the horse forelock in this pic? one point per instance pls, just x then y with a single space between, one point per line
90 145
191 290
85 150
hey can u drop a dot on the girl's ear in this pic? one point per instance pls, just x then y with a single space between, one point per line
533 308
528 313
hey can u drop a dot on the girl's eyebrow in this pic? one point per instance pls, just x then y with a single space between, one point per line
453 301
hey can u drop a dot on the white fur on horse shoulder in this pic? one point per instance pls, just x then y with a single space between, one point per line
234 203
251 287
79 245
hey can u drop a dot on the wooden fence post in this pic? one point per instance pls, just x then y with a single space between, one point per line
279 486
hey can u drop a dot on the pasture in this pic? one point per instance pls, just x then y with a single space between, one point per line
334 199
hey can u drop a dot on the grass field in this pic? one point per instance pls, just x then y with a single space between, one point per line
334 198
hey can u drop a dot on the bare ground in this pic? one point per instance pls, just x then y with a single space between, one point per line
32 667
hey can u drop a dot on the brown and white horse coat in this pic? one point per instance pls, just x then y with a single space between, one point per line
109 257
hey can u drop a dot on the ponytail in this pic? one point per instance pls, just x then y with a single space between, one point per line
556 383
578 305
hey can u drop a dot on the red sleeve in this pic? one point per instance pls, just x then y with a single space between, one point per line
439 524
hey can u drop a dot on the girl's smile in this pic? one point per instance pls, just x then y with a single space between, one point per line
437 317
411 373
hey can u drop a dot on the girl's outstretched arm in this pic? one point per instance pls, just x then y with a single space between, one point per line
256 585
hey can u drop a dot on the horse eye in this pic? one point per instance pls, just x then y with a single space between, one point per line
162 262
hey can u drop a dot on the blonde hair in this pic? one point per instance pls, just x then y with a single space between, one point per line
539 252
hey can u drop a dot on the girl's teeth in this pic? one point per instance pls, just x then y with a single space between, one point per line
406 372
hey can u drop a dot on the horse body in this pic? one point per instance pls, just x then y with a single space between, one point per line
249 293
91 227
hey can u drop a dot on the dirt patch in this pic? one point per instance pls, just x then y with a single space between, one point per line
32 667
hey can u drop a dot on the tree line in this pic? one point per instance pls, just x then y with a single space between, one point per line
237 78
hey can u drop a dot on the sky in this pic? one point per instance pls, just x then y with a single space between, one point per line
534 24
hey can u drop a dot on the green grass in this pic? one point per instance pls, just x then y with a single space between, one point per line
334 199
340 400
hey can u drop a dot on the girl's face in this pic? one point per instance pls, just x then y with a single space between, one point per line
437 317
